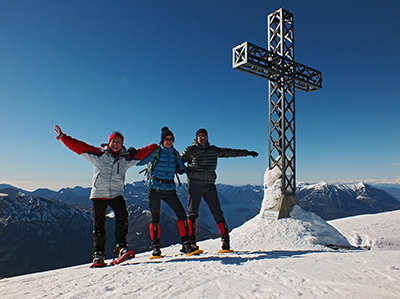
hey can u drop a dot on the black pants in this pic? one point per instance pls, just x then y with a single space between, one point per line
99 221
170 198
210 196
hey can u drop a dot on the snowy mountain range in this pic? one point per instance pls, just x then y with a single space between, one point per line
240 203
53 234
342 200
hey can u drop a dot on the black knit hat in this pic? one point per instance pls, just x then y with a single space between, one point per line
166 132
199 131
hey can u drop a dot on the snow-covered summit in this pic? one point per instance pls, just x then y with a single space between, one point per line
285 258
263 266
303 230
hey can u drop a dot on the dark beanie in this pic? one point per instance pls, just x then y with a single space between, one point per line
165 132
199 131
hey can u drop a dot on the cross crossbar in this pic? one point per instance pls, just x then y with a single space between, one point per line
258 61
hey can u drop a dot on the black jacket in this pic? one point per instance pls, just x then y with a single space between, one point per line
202 161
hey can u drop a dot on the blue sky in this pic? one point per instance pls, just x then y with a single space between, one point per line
93 67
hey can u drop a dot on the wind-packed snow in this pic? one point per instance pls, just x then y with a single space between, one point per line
285 258
378 231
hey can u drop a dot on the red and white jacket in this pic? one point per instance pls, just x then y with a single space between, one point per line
108 171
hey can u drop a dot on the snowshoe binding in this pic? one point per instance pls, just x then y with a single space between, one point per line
195 246
123 254
156 253
98 260
190 249
225 244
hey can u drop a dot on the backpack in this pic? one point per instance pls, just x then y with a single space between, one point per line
150 165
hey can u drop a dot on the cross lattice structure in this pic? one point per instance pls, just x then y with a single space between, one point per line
277 64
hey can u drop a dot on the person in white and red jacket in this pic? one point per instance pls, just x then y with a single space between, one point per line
110 163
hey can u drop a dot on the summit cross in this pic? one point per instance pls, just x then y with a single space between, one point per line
284 75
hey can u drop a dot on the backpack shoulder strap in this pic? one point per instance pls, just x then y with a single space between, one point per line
156 157
176 156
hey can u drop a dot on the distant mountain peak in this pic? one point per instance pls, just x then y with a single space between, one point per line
11 192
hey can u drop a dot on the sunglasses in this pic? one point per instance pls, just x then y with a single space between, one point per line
168 138
116 141
202 135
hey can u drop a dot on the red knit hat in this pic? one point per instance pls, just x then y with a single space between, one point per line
116 134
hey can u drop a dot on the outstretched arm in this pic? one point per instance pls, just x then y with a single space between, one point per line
143 152
147 159
229 152
75 145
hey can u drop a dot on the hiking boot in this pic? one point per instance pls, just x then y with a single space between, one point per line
195 246
225 242
189 242
98 257
188 247
121 249
157 251
225 246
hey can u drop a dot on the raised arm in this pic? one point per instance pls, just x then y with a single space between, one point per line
143 152
75 145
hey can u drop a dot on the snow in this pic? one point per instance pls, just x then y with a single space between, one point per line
272 191
378 231
285 258
274 259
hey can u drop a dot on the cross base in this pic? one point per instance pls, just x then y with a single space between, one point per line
285 205
282 208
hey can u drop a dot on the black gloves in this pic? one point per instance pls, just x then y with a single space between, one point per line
132 151
252 153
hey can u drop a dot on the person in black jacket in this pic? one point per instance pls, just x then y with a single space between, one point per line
202 161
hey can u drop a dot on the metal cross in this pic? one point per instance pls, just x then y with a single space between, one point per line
284 74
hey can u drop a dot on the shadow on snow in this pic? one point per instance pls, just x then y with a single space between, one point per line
234 258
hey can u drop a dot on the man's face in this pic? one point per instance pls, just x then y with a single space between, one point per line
115 144
168 141
202 139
